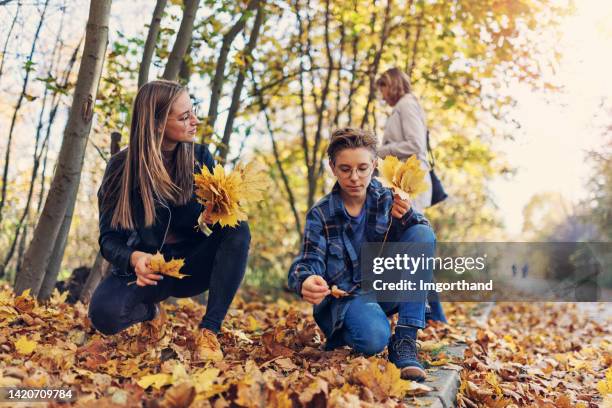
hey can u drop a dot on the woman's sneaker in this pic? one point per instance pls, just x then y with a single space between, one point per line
207 346
403 353
156 327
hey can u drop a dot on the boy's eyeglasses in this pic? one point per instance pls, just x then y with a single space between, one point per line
362 172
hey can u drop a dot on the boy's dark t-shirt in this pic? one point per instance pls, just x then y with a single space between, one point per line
358 225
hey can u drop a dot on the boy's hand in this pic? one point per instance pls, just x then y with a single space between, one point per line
141 261
400 207
314 289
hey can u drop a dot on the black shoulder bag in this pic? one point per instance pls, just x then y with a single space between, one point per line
437 189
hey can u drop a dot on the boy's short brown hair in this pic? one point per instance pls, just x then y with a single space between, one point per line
350 138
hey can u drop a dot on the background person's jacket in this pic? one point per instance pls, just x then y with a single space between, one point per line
406 131
117 244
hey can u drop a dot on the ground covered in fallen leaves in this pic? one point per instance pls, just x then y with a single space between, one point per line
540 355
274 358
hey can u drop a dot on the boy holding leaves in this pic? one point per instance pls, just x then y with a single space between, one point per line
358 210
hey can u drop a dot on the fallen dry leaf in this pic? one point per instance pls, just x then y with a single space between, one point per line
169 268
337 292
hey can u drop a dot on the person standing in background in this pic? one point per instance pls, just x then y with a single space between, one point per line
406 128
406 135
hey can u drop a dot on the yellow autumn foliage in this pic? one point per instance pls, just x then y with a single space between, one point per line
228 193
605 386
25 346
405 178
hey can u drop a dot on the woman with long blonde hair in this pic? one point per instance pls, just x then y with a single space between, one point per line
147 204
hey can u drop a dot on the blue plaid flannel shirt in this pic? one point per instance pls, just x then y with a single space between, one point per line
327 250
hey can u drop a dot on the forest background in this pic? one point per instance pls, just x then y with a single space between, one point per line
500 81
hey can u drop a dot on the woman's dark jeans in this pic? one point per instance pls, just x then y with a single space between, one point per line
216 263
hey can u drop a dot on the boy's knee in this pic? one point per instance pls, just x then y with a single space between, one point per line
419 233
374 341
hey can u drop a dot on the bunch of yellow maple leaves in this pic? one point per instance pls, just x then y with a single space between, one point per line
228 193
405 178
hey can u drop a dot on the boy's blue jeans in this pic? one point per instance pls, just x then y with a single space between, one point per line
366 327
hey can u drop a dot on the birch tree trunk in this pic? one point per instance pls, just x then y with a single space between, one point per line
64 186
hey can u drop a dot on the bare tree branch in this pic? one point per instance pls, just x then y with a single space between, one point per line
8 37
279 164
384 35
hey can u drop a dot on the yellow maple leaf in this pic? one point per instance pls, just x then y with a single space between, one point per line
8 313
605 386
24 302
155 380
228 193
383 378
405 178
169 268
25 346
58 298
252 324
204 379
491 378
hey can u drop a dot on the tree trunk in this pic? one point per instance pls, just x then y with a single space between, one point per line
98 272
26 79
55 260
185 71
217 81
52 115
149 47
317 163
183 38
100 268
64 186
223 149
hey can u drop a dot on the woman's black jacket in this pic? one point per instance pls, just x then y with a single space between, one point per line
117 245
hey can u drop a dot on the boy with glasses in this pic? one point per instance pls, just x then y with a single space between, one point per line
358 210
